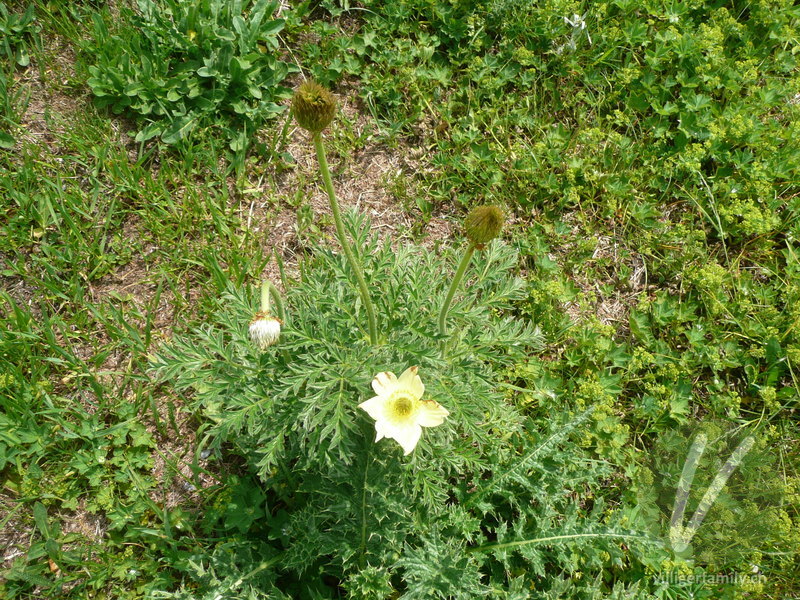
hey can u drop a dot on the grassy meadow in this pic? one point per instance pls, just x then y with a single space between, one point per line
632 335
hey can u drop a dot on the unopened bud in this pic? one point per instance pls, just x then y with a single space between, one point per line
483 224
313 106
264 330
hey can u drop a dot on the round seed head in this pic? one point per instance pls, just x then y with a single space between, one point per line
483 224
313 106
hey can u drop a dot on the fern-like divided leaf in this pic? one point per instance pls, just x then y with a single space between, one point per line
359 511
517 471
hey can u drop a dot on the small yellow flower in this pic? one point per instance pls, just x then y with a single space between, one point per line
399 411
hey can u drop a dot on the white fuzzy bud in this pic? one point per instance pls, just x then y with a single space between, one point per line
264 330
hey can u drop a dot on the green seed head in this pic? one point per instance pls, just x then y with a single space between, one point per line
313 106
483 224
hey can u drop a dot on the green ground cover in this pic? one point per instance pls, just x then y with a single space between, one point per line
645 291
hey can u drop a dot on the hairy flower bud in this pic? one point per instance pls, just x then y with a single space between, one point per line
264 330
483 224
313 106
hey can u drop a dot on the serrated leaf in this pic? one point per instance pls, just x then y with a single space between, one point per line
40 519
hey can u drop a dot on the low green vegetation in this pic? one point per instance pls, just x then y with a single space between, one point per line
19 34
643 297
211 64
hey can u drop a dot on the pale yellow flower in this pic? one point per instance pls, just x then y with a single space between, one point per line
399 411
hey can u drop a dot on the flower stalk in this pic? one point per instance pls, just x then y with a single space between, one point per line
268 290
348 251
462 269
264 328
482 225
314 109
265 296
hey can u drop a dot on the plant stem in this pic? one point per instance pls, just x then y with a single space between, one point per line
276 297
265 296
281 269
268 290
337 218
363 557
462 268
554 538
264 565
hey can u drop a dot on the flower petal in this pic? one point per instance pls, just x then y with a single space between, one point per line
384 383
381 430
431 413
411 381
374 407
407 436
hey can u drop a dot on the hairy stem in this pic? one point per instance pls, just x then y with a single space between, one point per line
275 294
265 296
348 251
462 268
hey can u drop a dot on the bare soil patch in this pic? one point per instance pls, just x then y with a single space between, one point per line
362 181
45 83
610 309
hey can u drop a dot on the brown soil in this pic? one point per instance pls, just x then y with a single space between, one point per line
45 87
611 309
361 182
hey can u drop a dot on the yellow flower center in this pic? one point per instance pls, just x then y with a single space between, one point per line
401 406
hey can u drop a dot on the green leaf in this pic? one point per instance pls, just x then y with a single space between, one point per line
225 34
206 71
133 89
23 58
238 143
272 28
53 548
640 327
6 140
179 129
40 518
